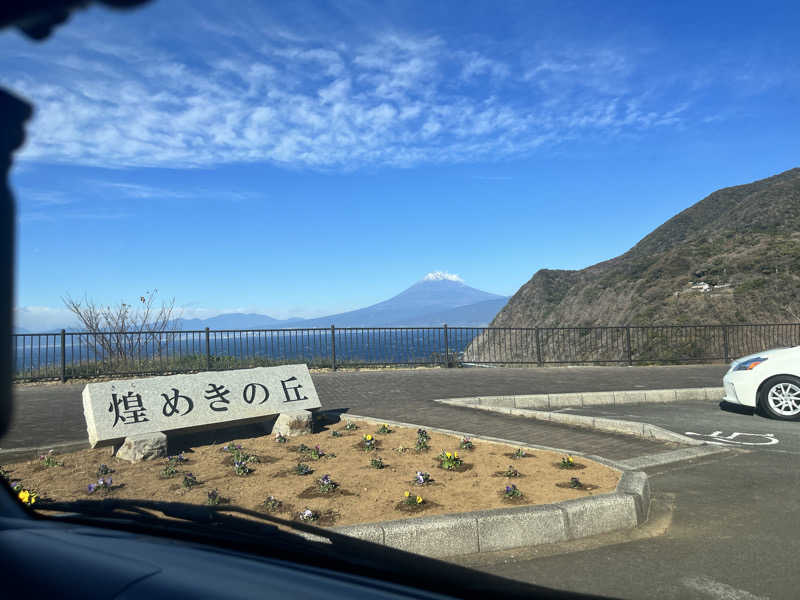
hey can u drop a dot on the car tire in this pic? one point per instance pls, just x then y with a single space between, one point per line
780 398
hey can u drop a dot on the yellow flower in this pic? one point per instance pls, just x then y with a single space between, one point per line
24 495
407 494
448 455
369 437
569 458
33 498
419 499
455 454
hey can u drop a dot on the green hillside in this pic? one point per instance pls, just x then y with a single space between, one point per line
743 241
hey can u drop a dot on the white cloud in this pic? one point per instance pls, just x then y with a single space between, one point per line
390 100
39 319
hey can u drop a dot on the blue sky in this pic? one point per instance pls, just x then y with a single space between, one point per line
302 159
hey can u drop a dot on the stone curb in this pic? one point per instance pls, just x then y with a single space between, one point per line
16 454
635 428
586 399
505 528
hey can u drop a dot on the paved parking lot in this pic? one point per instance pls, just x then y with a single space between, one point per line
46 414
717 423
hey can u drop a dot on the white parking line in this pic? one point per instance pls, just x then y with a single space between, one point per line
766 439
719 591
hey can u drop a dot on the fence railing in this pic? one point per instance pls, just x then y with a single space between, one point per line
66 355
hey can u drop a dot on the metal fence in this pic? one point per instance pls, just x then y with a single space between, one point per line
65 355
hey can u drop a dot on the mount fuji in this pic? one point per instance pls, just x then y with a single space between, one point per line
436 299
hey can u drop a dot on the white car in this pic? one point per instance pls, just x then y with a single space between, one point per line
769 380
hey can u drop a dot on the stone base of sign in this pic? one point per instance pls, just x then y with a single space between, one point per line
294 423
143 446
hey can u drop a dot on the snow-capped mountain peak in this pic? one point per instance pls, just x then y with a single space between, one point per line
442 276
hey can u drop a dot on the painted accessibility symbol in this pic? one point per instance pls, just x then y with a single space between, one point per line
737 438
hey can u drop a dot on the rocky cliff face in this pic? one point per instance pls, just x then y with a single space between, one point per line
739 247
744 241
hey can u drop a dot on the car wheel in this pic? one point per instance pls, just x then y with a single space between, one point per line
780 398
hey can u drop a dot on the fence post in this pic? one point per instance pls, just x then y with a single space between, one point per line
208 351
446 348
725 346
539 361
333 347
628 345
63 356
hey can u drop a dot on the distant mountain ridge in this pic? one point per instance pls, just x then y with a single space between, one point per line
436 299
432 298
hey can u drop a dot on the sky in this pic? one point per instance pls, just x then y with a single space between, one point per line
299 159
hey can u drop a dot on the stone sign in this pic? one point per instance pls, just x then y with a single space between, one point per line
121 409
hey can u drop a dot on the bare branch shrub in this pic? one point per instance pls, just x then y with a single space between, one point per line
125 331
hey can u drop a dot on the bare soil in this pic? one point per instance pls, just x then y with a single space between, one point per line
363 494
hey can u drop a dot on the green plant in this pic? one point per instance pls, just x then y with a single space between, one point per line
519 453
326 485
49 460
511 472
303 469
449 460
335 433
412 500
213 497
567 462
103 484
512 491
384 428
24 495
309 515
168 471
272 504
280 438
376 463
369 443
466 444
104 470
350 426
574 482
240 468
241 456
421 478
176 460
422 440
189 481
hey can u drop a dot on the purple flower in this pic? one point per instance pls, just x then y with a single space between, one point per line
508 488
92 487
108 483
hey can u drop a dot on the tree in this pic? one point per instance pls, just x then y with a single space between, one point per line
127 330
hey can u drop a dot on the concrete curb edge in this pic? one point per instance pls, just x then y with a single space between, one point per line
549 402
635 428
505 528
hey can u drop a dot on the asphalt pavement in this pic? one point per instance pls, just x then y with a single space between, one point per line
725 527
717 423
52 414
721 527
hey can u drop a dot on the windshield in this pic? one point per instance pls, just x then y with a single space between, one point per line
383 267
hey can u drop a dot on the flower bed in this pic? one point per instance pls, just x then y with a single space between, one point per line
344 480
